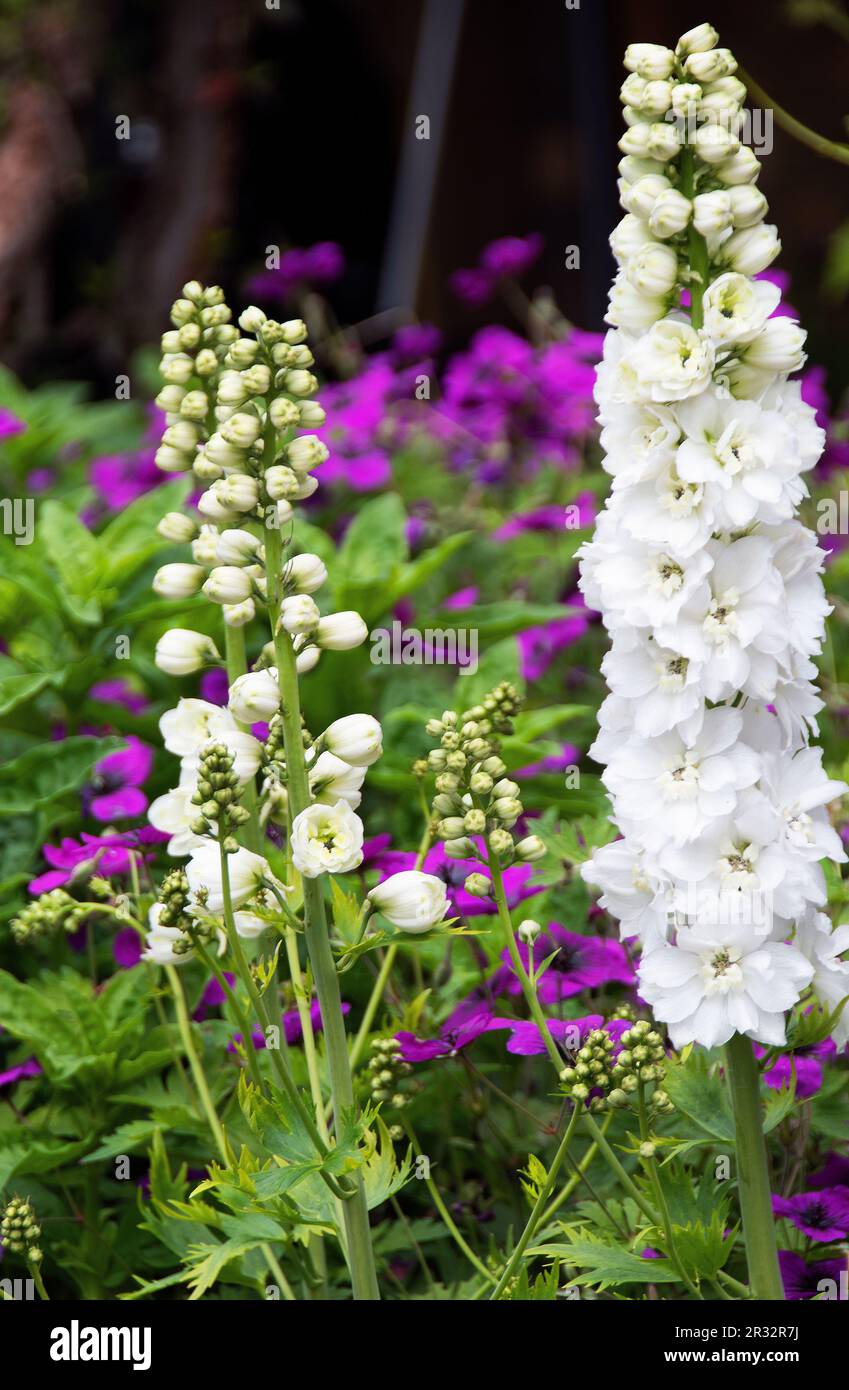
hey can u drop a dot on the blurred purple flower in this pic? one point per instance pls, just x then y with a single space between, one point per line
292 1030
579 963
454 873
802 1280
109 851
468 1021
21 1072
114 791
538 646
214 686
10 425
127 948
118 692
805 1063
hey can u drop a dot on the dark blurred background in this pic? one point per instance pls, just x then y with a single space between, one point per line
259 122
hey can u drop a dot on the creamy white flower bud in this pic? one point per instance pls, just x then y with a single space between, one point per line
172 460
632 89
748 205
697 40
712 212
228 584
709 65
239 614
205 547
307 659
714 144
339 632
177 527
530 848
635 140
640 197
232 389
301 356
628 236
180 651
528 931
650 60
204 468
779 347
281 481
670 214
730 87
293 331
194 406
285 513
300 383
170 398
751 249
742 167
355 738
177 580
239 492
243 353
237 547
632 169
183 436
258 379
685 97
653 270
210 505
183 311
665 140
720 107
311 414
306 452
304 574
222 453
284 413
176 368
242 430
188 337
251 319
254 696
411 900
299 614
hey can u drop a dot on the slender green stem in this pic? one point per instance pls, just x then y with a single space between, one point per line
35 1274
204 1094
538 1207
355 1212
753 1170
696 245
447 1218
243 1019
578 1176
830 149
650 1168
306 1030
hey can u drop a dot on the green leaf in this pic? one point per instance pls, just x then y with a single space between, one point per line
15 689
374 547
607 1265
131 538
700 1093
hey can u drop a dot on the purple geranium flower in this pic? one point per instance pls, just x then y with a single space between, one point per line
805 1064
822 1215
803 1280
468 1021
292 1029
834 1172
569 1033
579 963
114 791
538 646
127 948
108 852
214 686
511 255
10 424
19 1073
118 692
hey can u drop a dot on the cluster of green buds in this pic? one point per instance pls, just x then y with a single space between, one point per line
474 796
19 1230
217 795
387 1071
591 1070
171 912
641 1062
58 911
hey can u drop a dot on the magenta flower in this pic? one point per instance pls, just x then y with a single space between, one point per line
568 756
320 264
538 646
214 686
213 996
805 1064
127 948
105 854
10 425
292 1029
21 1072
511 255
114 791
569 1033
834 1172
465 1025
579 963
803 1280
118 692
823 1215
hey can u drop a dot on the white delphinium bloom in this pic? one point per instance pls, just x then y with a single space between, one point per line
161 941
173 814
332 780
824 947
339 632
178 580
192 723
704 577
246 873
327 840
411 900
720 979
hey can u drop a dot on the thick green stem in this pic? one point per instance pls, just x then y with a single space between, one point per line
538 1208
696 245
753 1171
355 1212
